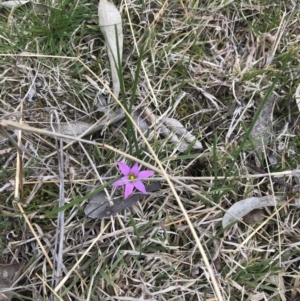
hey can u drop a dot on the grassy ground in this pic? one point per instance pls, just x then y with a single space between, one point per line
213 65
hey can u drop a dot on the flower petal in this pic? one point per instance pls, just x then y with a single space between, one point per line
145 174
139 186
128 189
135 169
125 169
120 182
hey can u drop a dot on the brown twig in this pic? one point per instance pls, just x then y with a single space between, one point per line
276 180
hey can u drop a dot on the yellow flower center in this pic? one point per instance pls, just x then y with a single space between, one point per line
131 177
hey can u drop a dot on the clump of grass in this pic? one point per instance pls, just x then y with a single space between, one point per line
211 65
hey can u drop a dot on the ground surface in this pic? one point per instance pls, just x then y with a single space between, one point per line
228 71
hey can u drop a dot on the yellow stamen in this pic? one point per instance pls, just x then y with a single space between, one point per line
131 177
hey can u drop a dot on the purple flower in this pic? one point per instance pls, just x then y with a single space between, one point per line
132 178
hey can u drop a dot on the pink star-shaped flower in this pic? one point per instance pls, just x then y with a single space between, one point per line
132 178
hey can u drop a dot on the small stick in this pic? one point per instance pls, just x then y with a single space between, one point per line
276 180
